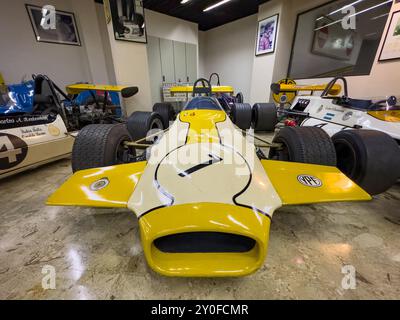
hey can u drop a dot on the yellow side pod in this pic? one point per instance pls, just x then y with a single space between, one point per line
81 190
286 178
388 116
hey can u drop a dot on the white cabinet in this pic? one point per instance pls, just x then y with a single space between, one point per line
191 62
170 62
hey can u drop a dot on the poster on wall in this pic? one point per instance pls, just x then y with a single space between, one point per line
128 20
63 30
331 40
391 46
266 35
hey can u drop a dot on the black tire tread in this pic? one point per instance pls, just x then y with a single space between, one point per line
91 145
378 158
307 145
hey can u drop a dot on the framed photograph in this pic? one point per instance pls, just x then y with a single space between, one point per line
391 46
128 20
331 40
266 35
65 31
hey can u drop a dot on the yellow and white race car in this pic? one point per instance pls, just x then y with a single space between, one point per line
203 192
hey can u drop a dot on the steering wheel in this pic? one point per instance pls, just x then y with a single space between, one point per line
205 89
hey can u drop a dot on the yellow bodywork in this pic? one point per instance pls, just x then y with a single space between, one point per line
205 217
202 125
388 116
80 87
76 191
336 89
335 185
189 89
131 185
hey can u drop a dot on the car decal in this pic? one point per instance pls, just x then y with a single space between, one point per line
13 151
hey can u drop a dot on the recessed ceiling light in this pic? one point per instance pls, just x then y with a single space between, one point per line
184 1
216 5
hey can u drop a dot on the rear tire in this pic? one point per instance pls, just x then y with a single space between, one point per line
368 157
265 117
166 111
304 145
241 115
140 123
99 145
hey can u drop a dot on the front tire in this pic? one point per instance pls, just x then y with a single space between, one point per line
100 145
368 157
305 145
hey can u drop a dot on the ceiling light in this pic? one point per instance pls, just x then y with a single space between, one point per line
353 15
381 16
184 1
216 5
349 5
339 10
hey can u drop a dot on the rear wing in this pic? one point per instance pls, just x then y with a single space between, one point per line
189 89
126 91
278 88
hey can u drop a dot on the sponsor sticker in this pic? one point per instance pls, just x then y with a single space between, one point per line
309 181
13 151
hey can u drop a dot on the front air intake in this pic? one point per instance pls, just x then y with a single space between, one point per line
204 242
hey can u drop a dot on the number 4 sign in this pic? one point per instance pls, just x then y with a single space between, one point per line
13 151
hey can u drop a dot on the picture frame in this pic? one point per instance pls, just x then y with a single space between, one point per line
128 20
66 30
267 32
325 41
391 45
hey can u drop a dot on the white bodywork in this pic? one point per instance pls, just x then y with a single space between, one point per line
334 118
24 146
237 178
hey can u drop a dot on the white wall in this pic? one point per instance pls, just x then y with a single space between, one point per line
90 32
21 55
130 59
229 51
166 27
263 66
131 69
383 80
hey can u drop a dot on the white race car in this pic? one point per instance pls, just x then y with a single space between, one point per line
349 122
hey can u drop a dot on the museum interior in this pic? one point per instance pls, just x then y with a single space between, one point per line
200 149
